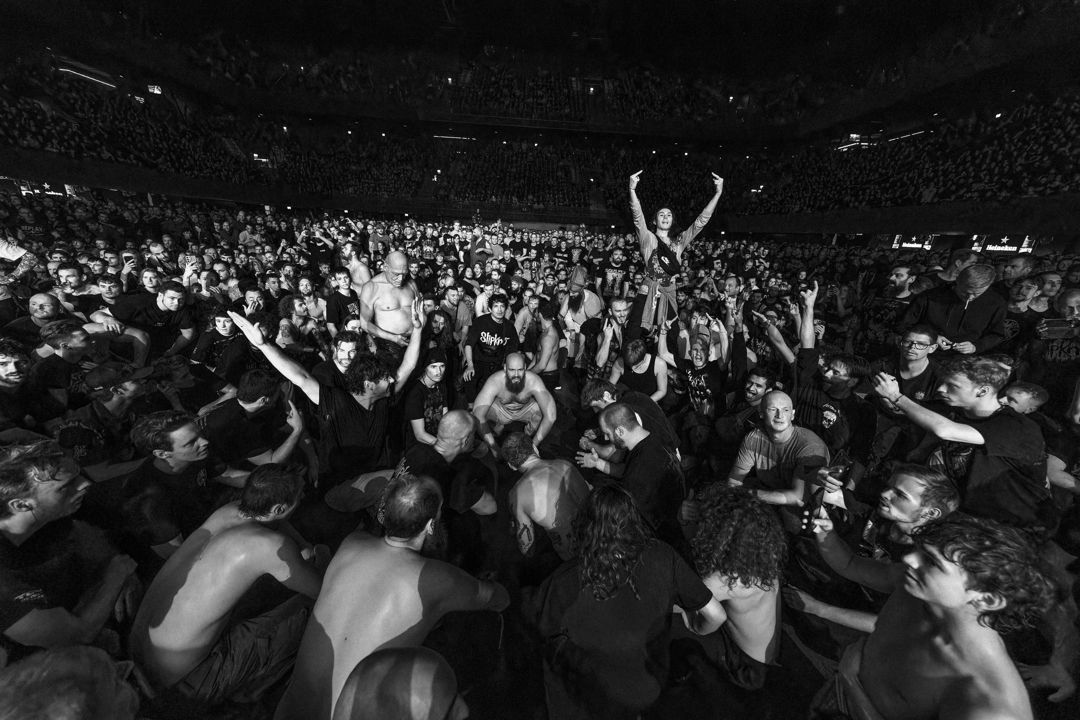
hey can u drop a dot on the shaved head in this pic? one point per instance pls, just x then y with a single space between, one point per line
456 425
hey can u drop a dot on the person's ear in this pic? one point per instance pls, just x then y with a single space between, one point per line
987 602
18 505
163 454
930 513
278 510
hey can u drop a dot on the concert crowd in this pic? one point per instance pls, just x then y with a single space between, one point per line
266 463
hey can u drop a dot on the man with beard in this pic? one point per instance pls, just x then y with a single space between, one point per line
881 316
614 281
359 274
386 307
491 338
342 351
745 414
552 346
355 616
316 305
516 395
581 304
614 336
426 401
19 402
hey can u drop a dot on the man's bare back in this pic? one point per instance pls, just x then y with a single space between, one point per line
374 595
753 616
911 667
549 495
188 605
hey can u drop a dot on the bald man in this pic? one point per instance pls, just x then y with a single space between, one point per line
514 395
386 306
401 684
547 496
454 436
381 592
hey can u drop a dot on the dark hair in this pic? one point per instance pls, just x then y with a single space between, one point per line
1037 392
12 348
633 352
70 266
408 503
348 336
172 286
981 371
611 536
857 367
739 537
939 491
267 487
287 305
255 384
763 372
594 391
366 368
924 329
517 448
152 431
58 332
499 298
71 683
997 559
23 466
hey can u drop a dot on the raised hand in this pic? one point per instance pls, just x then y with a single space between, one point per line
635 179
718 182
809 295
250 330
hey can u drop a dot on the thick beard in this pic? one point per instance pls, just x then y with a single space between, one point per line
515 386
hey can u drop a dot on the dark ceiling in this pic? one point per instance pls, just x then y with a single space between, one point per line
739 36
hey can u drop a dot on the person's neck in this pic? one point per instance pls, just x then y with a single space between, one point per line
18 528
902 293
415 544
528 462
913 367
171 467
117 405
1019 305
635 438
783 436
428 382
365 400
249 408
983 407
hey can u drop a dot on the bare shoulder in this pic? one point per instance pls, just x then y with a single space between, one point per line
995 696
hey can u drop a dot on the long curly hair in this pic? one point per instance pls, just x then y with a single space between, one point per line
739 537
611 537
997 559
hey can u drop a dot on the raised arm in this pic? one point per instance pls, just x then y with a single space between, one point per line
883 577
412 350
937 425
703 218
807 338
289 368
635 207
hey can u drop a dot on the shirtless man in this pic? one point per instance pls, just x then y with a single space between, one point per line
386 306
359 273
548 494
378 593
401 683
935 650
514 395
740 548
181 636
546 362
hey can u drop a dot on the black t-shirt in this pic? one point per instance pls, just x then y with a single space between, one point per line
327 373
653 475
235 435
847 423
352 439
492 341
164 326
461 488
339 307
652 417
88 304
43 572
613 275
55 373
609 658
20 402
427 404
1003 479
705 386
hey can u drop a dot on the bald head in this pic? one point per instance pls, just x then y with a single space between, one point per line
515 361
397 267
399 684
456 426
44 306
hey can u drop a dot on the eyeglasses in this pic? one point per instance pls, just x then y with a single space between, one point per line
916 345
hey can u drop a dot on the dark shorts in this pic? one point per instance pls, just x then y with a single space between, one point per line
251 656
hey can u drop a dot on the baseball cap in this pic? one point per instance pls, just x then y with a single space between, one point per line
111 374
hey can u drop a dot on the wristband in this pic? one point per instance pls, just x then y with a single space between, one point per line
896 399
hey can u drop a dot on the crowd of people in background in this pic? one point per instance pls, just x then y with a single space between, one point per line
261 458
1025 151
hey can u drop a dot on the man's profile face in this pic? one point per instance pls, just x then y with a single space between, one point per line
958 391
188 444
899 278
936 579
901 501
1015 268
606 431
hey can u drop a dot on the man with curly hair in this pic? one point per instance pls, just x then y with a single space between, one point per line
739 550
936 649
